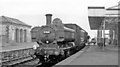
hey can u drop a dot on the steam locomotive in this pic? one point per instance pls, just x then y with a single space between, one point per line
57 40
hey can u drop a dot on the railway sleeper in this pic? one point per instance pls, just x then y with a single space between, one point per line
17 61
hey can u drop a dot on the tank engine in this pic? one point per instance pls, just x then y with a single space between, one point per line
56 41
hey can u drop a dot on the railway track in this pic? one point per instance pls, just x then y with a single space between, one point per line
30 62
26 62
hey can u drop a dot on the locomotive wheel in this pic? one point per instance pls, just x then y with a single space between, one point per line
60 57
67 53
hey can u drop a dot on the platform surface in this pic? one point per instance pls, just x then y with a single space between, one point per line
17 46
94 55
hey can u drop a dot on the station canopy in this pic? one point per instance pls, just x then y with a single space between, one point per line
97 15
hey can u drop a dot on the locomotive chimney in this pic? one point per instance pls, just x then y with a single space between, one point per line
48 19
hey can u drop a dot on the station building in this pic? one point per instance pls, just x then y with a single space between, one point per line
13 31
105 21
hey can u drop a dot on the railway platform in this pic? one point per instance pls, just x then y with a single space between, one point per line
93 55
16 53
17 46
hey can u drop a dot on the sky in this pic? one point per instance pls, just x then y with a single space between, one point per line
33 12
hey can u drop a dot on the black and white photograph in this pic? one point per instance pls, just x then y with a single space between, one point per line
59 33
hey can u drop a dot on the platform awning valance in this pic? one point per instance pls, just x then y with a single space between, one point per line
96 16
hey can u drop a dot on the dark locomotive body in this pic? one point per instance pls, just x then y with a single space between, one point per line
57 40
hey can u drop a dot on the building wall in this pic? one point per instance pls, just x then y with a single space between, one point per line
3 33
14 33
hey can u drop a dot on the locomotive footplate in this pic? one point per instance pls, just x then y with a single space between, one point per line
52 55
49 55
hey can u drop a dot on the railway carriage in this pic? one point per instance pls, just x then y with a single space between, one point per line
80 35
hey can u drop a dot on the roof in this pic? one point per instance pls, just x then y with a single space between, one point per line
96 21
97 7
72 25
113 11
66 28
5 19
116 7
36 28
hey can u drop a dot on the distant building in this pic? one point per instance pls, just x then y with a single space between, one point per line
105 19
14 31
